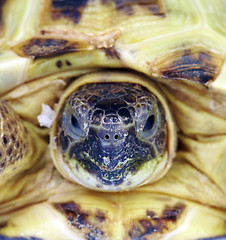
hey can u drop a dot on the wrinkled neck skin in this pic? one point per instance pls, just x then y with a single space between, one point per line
111 137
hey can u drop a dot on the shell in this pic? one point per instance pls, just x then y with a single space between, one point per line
163 39
46 44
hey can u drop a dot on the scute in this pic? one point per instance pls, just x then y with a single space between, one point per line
69 9
132 215
103 27
153 223
2 2
216 16
90 223
177 45
129 7
192 64
45 47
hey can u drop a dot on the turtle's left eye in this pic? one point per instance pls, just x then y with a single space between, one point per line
148 125
150 119
150 122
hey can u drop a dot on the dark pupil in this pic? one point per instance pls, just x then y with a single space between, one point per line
74 122
149 123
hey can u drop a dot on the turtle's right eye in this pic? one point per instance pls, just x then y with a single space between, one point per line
148 125
73 127
71 124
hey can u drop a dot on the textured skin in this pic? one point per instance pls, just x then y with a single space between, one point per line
45 44
111 130
14 143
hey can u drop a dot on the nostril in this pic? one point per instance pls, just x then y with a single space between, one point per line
116 136
107 136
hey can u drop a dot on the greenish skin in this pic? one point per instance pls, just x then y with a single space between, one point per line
111 130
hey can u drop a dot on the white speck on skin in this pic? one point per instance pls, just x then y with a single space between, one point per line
47 116
106 160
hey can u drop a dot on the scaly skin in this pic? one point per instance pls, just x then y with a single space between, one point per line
46 44
24 164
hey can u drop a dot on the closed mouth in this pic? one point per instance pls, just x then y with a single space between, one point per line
117 175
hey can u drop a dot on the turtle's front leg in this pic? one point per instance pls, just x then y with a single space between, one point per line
16 147
24 167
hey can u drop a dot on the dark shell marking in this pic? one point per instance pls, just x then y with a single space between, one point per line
111 53
72 10
69 9
45 47
91 224
198 65
112 129
127 7
2 3
19 238
153 224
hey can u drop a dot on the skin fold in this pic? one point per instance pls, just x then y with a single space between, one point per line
49 49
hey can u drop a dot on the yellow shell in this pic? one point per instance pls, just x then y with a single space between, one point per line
181 46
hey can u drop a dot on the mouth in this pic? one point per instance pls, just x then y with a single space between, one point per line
111 164
108 175
114 176
107 166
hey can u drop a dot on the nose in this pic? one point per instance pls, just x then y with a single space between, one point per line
111 136
115 139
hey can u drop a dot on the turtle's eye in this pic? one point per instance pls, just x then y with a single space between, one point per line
150 122
74 128
72 124
148 125
150 118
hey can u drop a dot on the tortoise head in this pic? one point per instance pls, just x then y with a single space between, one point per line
111 135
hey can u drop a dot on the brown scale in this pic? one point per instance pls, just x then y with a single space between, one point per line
91 224
152 224
45 47
13 137
194 64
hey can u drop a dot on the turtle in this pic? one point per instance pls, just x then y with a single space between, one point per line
113 120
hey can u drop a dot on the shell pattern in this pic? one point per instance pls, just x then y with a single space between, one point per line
175 47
